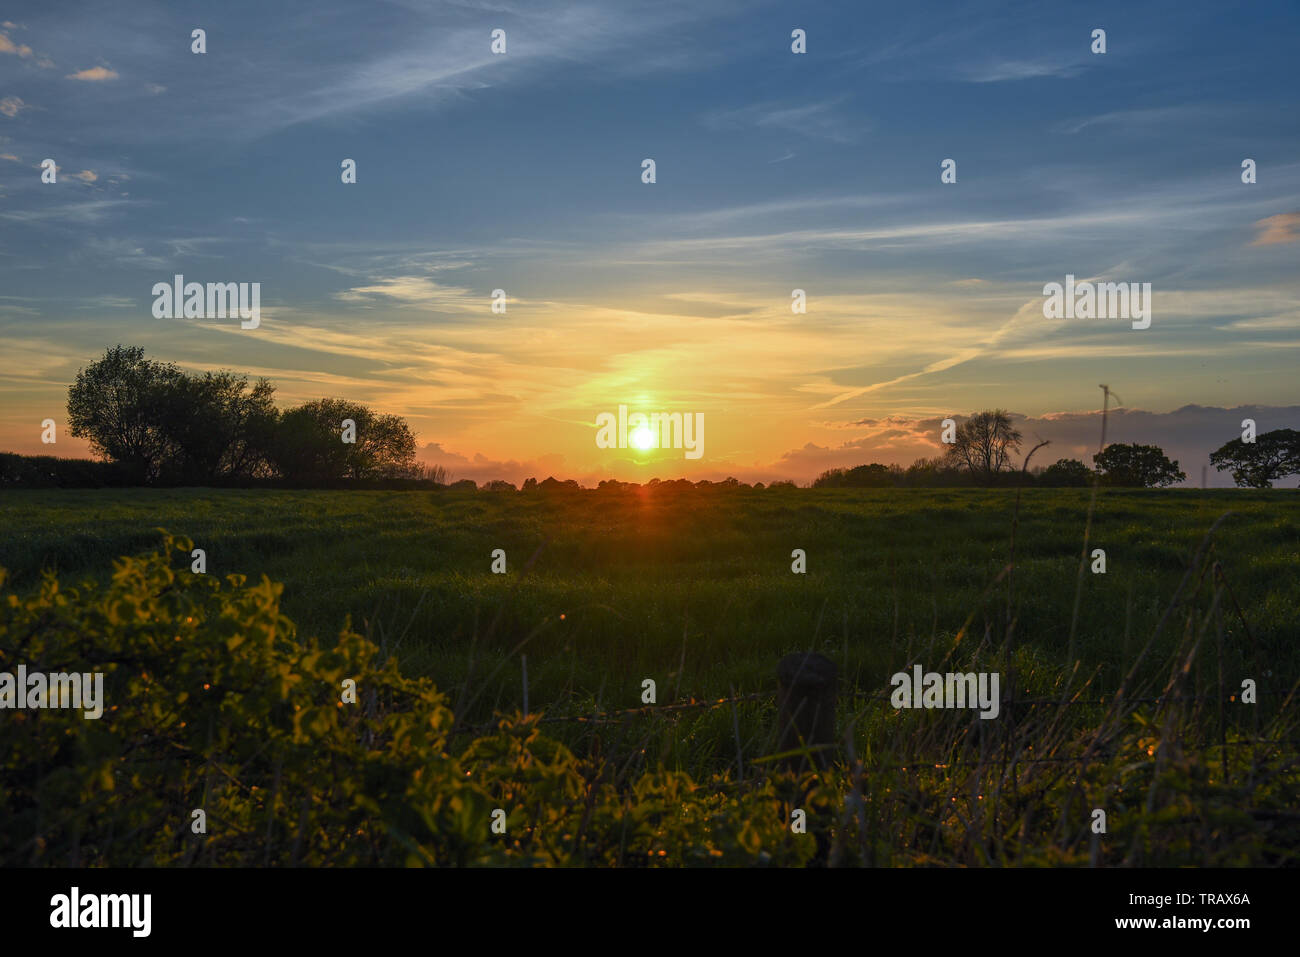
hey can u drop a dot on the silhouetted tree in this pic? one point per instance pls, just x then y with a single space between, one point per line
218 426
934 473
114 403
1273 455
308 446
1140 466
983 445
1066 473
436 474
873 475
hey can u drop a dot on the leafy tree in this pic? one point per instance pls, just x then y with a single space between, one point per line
217 426
1273 455
1065 473
308 445
115 403
1140 466
983 445
161 424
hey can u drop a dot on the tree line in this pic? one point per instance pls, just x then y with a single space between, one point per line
155 424
984 446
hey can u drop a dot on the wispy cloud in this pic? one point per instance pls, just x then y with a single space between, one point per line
90 211
407 289
112 302
121 252
1282 228
442 54
11 106
1139 119
821 120
999 71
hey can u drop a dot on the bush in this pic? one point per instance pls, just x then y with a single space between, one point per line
1066 473
212 701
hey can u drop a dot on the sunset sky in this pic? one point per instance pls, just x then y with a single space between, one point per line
775 171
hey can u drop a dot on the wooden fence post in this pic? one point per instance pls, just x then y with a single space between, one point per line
806 689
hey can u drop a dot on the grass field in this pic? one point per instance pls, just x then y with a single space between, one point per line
694 589
647 581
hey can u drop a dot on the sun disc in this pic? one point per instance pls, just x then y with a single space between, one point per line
641 438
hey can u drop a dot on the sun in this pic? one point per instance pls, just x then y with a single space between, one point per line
641 438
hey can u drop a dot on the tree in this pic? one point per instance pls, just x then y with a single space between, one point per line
1273 455
435 474
1065 473
308 446
983 445
217 426
115 403
938 472
1140 466
831 478
874 475
162 424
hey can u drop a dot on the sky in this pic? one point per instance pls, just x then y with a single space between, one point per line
774 171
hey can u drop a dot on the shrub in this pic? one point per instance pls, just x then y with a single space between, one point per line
213 702
1066 473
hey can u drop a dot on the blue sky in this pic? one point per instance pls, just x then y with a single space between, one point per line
774 171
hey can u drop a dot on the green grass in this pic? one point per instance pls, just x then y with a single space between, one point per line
694 589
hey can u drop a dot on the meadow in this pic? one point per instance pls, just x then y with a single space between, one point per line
693 588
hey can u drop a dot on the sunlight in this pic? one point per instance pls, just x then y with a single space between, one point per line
641 438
